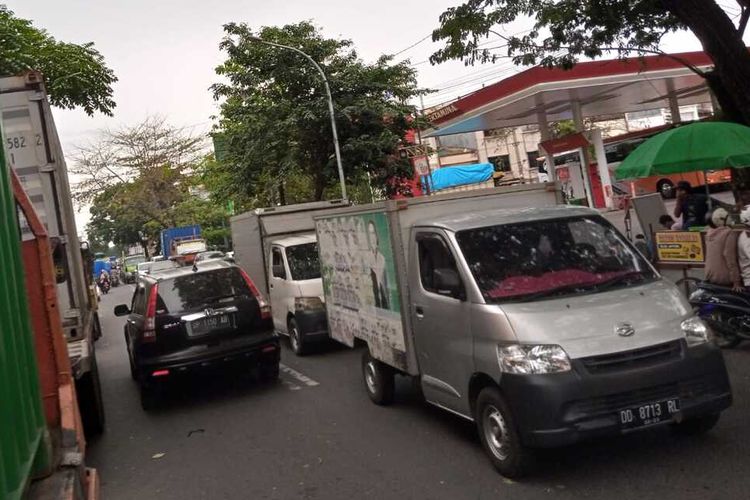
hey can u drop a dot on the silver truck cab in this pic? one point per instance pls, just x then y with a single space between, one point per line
546 326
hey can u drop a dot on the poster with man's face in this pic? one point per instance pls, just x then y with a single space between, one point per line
359 282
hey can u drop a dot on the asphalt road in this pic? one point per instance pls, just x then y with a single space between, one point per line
315 434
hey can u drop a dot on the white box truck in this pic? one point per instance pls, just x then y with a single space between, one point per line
540 323
277 247
33 150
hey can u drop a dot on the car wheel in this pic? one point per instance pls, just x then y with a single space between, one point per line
380 380
499 435
133 371
269 372
149 393
696 425
90 402
296 339
666 189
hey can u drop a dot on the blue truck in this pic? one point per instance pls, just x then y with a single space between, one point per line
173 236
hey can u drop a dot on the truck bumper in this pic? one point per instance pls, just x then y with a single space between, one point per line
313 325
560 409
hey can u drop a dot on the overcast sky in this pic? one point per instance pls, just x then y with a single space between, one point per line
164 51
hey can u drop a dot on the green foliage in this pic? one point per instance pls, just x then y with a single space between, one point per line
275 124
75 75
563 30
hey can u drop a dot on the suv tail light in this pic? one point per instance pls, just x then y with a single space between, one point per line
265 309
149 326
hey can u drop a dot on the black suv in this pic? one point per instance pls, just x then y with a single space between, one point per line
192 318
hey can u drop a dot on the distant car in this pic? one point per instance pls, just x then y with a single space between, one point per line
185 320
130 266
209 255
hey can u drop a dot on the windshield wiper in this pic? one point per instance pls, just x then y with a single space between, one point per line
625 278
546 293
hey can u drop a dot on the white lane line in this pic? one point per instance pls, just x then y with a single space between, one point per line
298 376
291 386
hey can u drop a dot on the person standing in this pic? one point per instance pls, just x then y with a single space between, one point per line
722 267
743 247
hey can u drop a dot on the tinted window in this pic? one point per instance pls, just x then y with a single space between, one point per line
201 289
433 254
303 261
551 257
139 300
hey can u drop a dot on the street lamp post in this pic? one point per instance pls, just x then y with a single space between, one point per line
330 106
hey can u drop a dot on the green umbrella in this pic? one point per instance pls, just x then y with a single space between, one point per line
695 147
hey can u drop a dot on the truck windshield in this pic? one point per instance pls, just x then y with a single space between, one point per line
557 257
303 261
134 261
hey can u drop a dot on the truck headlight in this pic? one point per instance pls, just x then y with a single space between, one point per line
308 304
695 330
528 359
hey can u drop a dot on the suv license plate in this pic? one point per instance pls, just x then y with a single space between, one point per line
205 325
649 414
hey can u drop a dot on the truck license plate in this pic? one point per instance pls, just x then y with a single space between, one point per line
649 414
205 325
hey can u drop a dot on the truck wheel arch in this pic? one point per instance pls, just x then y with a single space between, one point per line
478 382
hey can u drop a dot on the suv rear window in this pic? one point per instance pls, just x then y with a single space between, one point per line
200 289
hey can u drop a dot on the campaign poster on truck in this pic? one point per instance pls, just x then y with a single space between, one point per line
359 283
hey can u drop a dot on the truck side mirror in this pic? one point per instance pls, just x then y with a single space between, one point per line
122 310
279 271
448 283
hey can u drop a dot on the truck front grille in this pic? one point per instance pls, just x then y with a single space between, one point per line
635 358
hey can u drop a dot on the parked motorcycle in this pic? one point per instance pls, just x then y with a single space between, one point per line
726 312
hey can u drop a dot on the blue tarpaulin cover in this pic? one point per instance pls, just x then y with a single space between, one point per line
460 175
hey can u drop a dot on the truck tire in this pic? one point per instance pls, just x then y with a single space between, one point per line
499 435
90 402
380 380
296 338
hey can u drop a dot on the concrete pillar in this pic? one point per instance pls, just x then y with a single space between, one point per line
601 162
674 105
585 158
541 118
481 147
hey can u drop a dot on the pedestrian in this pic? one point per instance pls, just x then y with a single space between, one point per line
722 266
667 222
743 247
692 207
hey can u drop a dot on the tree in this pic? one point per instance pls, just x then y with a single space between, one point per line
75 75
275 122
566 30
136 177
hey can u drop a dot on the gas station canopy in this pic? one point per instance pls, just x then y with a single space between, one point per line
609 87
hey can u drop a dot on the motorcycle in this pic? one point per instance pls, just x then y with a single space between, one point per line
726 312
104 286
115 277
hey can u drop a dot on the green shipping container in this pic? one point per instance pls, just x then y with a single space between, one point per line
24 450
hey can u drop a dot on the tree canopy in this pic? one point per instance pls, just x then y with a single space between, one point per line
75 75
565 30
275 124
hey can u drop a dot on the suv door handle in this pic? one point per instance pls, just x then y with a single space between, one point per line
419 311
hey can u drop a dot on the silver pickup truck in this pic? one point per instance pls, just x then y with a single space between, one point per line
542 325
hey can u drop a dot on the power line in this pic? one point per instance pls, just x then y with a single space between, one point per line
413 45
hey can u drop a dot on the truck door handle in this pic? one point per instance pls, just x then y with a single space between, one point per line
419 311
271 285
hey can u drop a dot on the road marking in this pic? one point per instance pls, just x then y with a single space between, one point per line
298 376
291 386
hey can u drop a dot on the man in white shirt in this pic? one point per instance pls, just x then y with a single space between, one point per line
743 248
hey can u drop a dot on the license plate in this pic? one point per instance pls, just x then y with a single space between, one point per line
206 325
649 414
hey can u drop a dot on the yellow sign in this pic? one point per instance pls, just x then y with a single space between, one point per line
680 246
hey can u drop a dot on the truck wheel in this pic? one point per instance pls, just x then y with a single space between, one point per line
380 380
296 339
90 402
696 425
499 435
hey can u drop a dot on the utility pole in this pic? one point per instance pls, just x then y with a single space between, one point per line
330 106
